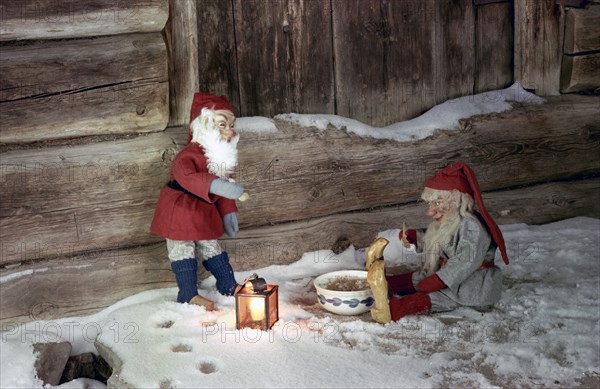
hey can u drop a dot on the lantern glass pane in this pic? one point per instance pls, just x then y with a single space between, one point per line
251 311
257 310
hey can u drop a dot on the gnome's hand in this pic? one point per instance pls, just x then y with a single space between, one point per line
396 250
224 188
230 223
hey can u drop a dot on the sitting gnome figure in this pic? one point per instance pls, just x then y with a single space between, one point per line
459 248
198 204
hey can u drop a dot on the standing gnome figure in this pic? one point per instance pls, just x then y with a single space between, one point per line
198 204
459 248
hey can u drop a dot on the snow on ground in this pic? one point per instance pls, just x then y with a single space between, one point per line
443 116
543 333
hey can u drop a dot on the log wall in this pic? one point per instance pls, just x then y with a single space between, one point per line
581 52
538 45
59 19
378 61
73 72
84 148
556 47
92 86
90 205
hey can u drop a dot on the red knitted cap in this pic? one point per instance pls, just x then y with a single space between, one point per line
461 177
203 100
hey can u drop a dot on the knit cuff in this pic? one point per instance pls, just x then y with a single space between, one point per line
431 284
184 265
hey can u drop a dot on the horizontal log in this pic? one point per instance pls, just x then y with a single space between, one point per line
295 175
103 194
76 284
71 231
580 73
67 89
59 19
582 30
572 3
285 243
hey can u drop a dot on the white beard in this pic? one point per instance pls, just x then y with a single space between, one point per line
436 238
222 155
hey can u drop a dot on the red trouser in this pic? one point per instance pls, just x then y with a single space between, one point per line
409 305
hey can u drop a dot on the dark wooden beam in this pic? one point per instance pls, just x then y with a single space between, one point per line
572 3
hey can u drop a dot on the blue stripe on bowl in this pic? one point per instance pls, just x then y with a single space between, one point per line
353 303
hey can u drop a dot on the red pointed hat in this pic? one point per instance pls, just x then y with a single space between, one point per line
204 100
461 177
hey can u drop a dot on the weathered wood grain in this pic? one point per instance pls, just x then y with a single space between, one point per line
396 59
377 61
103 194
67 89
74 198
81 284
285 243
454 49
36 181
58 19
384 59
217 51
321 172
494 47
181 35
574 3
77 284
580 73
284 53
484 2
582 30
538 46
93 228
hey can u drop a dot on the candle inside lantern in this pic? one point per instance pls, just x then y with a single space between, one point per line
257 309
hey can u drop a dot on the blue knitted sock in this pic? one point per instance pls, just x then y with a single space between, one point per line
186 274
220 267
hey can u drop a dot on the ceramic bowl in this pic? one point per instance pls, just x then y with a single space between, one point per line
342 302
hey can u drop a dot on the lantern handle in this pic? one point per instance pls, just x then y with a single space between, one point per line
250 278
258 284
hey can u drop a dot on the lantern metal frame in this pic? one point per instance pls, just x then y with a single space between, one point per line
255 289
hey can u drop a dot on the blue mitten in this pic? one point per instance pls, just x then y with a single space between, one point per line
230 223
225 188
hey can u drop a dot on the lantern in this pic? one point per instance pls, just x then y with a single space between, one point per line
256 304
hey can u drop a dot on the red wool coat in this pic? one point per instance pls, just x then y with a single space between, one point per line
180 215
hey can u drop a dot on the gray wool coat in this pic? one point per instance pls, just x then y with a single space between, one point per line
468 284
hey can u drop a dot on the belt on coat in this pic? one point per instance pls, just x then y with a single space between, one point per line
175 185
